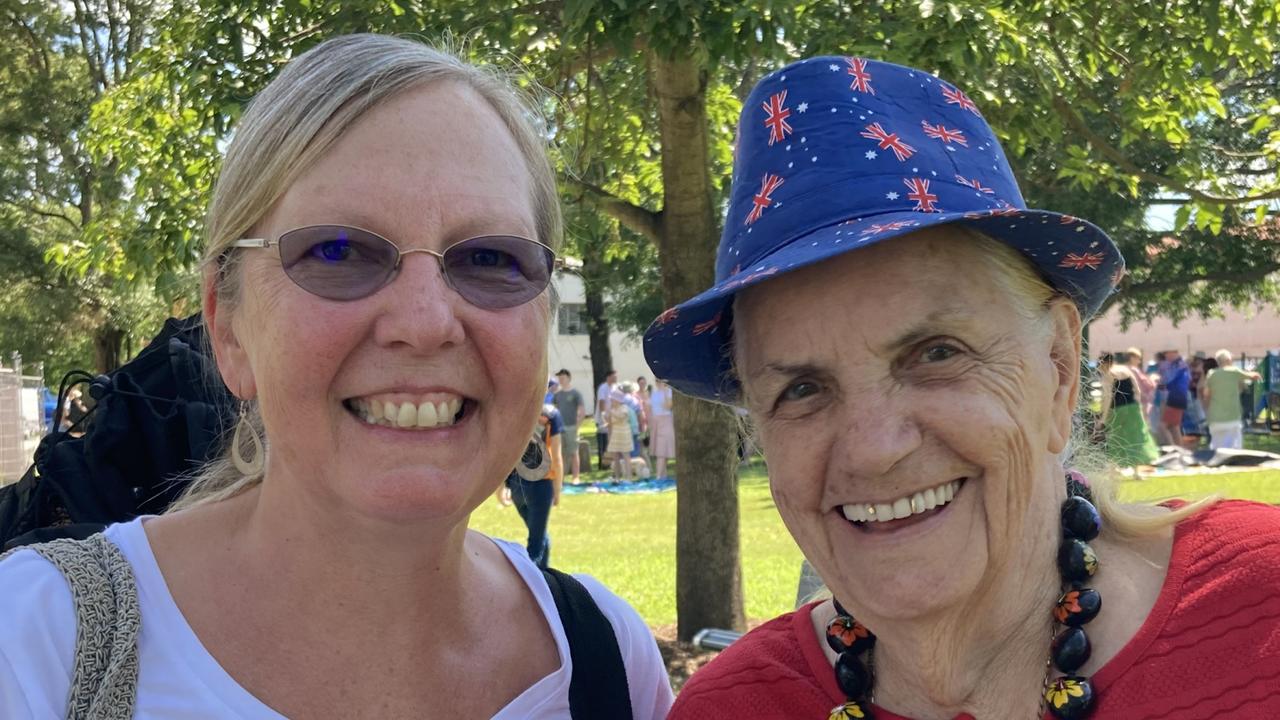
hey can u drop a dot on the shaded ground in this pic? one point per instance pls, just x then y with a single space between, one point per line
682 658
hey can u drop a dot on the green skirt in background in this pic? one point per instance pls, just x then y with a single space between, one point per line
1129 442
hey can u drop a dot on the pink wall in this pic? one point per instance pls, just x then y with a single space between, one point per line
1251 333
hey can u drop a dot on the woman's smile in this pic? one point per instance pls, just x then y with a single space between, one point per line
902 512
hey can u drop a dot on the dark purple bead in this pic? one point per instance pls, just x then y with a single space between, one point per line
852 676
1069 698
1071 650
1076 561
1077 606
1080 519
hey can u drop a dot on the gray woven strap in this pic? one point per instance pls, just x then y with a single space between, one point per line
105 683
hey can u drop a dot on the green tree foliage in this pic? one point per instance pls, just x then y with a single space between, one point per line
58 200
1106 107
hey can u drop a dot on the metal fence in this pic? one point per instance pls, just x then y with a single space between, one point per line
22 420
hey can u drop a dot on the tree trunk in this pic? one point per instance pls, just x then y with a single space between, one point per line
708 567
108 348
597 323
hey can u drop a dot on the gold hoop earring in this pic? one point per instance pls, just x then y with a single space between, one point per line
252 466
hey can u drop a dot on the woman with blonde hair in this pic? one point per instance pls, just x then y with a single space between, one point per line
906 335
379 249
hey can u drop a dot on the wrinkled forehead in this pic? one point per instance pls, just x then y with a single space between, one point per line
932 282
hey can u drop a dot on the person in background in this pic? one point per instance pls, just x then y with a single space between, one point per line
535 498
1176 380
638 400
642 388
662 431
1154 420
572 410
1128 440
1193 420
623 426
552 387
1221 395
1146 386
604 397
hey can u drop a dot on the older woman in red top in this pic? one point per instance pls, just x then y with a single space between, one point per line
906 335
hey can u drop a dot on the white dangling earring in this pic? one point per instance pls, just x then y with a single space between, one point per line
252 466
536 461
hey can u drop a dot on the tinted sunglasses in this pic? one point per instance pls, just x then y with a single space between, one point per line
338 262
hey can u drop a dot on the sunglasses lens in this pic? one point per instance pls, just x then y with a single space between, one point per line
337 262
499 271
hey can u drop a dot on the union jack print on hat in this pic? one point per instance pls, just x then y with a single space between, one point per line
837 153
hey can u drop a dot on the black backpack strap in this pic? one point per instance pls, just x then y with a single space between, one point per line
598 688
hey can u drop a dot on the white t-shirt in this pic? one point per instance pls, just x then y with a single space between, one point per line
178 678
604 395
660 401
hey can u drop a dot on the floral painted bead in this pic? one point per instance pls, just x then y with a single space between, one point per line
1080 519
1069 698
1076 561
844 634
1077 606
849 711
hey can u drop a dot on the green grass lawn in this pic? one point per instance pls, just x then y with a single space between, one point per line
628 541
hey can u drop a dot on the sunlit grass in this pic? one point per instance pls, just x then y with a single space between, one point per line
628 541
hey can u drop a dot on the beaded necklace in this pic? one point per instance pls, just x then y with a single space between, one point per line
1069 697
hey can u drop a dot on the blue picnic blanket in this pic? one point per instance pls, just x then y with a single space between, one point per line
615 487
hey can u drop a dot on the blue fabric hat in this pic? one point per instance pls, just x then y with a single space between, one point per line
837 153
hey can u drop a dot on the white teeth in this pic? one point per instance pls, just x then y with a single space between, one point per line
903 507
427 416
917 503
408 415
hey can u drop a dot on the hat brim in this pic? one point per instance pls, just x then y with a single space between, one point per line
687 346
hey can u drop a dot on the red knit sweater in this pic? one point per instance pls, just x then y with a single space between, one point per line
1209 648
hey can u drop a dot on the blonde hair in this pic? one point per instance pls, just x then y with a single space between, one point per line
1223 357
1032 296
295 120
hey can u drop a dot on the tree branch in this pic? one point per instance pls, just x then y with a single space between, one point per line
26 207
1122 161
1238 277
637 219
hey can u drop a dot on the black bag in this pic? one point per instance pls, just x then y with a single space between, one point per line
598 686
156 418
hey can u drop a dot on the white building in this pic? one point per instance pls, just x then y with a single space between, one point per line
567 346
1245 333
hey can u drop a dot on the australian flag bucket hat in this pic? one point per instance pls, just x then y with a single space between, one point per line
838 153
